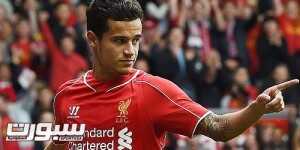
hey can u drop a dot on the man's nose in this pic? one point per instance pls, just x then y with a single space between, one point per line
129 49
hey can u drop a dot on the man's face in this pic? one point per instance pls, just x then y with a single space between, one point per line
230 10
67 45
292 9
118 48
23 29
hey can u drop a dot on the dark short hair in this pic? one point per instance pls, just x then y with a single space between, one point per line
99 11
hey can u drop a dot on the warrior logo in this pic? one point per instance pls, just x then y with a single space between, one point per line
73 111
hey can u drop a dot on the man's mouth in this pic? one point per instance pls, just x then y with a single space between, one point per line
127 61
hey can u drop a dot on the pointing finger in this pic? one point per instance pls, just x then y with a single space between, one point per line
287 84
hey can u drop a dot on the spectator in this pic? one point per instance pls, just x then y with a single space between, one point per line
212 82
142 64
266 134
174 62
6 10
6 37
245 141
62 56
151 42
43 103
12 112
230 31
64 22
242 91
279 140
30 11
289 23
296 139
46 117
271 47
4 120
22 45
158 11
198 27
81 44
6 86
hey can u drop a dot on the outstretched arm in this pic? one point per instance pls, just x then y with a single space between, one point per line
227 126
48 35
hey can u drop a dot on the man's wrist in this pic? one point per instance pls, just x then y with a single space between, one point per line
258 108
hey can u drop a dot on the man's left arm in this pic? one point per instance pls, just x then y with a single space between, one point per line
227 126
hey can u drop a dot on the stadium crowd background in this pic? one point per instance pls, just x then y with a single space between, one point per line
221 52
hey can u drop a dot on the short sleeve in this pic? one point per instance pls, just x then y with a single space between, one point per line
60 101
58 104
58 118
170 109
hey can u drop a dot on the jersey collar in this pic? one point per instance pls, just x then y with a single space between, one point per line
108 86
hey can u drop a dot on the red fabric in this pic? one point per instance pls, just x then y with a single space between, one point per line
6 144
232 47
140 104
251 46
25 48
252 91
7 89
205 36
285 1
291 30
64 67
72 19
283 124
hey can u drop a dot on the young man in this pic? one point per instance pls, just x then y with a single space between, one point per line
124 108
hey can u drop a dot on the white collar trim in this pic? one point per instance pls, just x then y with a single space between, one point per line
85 81
113 88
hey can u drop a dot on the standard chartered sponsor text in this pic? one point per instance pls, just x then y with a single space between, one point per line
108 144
92 133
95 133
91 146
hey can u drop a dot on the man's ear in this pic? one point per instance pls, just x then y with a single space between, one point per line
92 39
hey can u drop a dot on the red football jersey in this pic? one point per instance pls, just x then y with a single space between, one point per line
133 112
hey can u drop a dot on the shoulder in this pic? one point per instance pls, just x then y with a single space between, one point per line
66 88
161 85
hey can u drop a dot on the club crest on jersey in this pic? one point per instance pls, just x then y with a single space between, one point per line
123 111
73 112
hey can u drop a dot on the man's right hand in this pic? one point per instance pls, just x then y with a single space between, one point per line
271 100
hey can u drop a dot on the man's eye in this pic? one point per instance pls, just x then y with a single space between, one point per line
135 41
120 41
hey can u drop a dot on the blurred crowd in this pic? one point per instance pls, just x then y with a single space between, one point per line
222 53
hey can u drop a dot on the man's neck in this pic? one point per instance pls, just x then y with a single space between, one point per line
104 76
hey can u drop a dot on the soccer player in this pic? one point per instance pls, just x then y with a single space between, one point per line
125 108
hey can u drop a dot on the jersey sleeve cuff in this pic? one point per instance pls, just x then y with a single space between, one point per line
195 127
